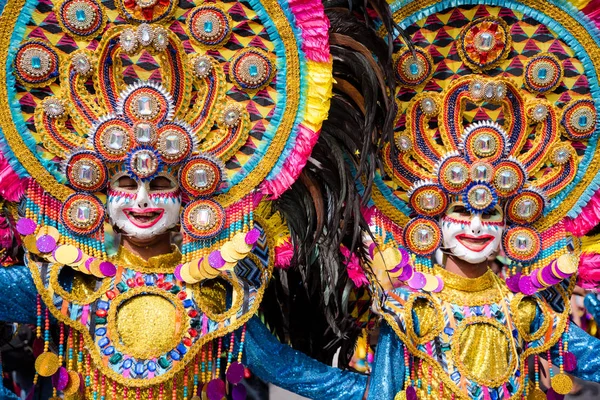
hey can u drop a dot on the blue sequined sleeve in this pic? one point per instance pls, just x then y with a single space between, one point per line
587 350
387 377
292 370
17 295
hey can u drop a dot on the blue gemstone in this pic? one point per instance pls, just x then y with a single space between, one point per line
188 303
103 305
175 355
253 71
127 363
139 368
149 279
109 350
80 15
182 349
414 68
36 62
151 366
208 26
542 73
448 330
583 121
100 331
103 342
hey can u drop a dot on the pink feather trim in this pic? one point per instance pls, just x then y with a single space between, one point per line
355 272
12 187
587 219
310 18
305 141
589 271
284 254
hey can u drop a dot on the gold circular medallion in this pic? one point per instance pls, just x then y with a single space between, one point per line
73 384
95 268
186 274
50 231
229 253
391 257
567 264
29 242
207 271
431 282
193 269
400 395
66 254
46 364
239 243
562 384
536 394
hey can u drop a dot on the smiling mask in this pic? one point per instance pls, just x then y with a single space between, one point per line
473 238
144 209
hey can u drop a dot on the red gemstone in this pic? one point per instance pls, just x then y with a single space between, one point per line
101 313
110 294
168 286
193 332
187 341
181 295
247 373
130 282
140 281
193 313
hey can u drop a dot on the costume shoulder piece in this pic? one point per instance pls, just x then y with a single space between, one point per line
226 96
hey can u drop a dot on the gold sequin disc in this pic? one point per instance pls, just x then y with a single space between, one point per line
562 384
536 394
73 384
47 364
400 395
66 254
29 243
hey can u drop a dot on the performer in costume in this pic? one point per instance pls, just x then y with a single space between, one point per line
495 146
150 117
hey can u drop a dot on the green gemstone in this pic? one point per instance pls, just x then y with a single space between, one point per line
116 358
122 287
175 289
100 320
195 323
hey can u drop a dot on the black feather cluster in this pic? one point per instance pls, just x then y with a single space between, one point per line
312 305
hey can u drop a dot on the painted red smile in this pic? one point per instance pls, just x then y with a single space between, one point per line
475 243
143 217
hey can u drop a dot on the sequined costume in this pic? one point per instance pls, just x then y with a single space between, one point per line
495 145
146 117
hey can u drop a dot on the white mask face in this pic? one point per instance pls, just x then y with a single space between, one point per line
144 210
473 238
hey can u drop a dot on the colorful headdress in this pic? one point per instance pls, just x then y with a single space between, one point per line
497 106
227 96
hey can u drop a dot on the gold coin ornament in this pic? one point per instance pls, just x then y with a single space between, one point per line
562 384
73 385
567 264
229 253
29 243
239 243
67 254
400 395
536 394
50 231
47 364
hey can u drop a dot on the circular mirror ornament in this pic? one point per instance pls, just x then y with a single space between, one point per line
428 199
36 64
209 25
422 236
509 177
143 163
521 244
112 139
453 174
251 69
200 176
86 172
525 207
543 73
413 69
203 219
579 119
480 197
174 142
82 214
484 43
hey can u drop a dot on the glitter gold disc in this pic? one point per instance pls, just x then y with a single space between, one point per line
207 271
391 257
400 395
431 283
193 270
95 268
536 394
47 364
66 254
50 231
239 243
566 264
185 274
73 385
81 266
562 384
229 253
29 243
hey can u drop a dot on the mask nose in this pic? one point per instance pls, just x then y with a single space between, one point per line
475 225
142 199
